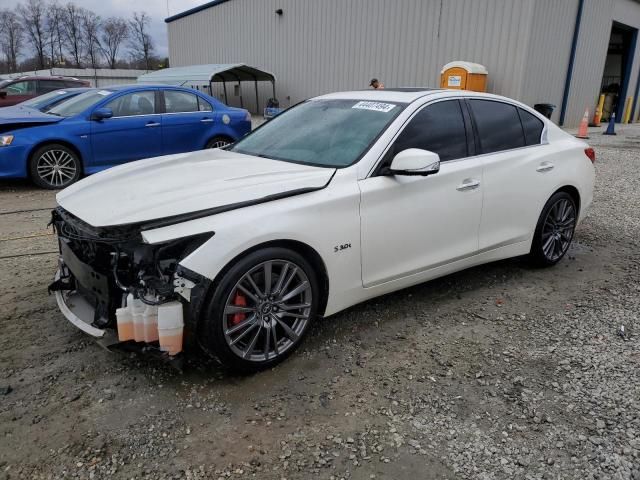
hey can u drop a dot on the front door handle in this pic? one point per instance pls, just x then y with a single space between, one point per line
545 167
468 184
152 124
207 120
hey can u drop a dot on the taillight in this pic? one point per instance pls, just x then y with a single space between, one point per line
591 153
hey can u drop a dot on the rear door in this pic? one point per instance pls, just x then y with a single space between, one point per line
516 174
187 122
134 132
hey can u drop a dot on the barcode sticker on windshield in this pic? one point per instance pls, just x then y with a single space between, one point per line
375 106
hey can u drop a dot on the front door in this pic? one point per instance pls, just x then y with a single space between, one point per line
17 92
134 132
411 224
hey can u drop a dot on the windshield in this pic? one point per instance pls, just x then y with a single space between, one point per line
79 104
326 133
47 99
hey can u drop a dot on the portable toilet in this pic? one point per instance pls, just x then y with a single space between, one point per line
464 76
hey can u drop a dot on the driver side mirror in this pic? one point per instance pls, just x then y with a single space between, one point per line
102 114
415 161
3 93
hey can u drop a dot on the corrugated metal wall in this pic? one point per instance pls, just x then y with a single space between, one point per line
593 42
628 13
547 58
322 46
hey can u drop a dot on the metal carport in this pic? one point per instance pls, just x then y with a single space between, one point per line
210 74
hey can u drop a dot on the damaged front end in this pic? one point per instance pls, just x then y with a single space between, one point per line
109 276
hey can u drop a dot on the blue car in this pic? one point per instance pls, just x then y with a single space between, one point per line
43 103
101 128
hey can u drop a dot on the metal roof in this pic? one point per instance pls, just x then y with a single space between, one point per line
227 72
191 11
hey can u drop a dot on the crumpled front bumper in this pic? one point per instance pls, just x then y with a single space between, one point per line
77 310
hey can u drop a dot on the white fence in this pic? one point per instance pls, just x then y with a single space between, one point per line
99 77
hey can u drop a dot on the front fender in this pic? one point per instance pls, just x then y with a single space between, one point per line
324 220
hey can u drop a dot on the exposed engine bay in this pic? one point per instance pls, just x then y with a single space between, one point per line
109 267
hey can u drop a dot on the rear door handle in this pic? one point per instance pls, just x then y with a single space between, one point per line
152 124
207 120
545 167
468 184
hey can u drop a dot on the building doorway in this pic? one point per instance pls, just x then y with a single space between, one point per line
617 70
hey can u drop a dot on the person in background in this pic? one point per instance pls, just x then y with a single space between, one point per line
376 84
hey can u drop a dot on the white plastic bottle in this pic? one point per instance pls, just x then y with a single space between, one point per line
150 320
170 327
137 311
124 318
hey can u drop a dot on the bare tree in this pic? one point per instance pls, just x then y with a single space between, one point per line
10 38
54 29
32 14
140 42
114 31
73 32
90 31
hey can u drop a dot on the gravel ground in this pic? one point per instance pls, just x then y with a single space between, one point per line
498 372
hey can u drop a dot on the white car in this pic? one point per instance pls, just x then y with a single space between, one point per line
339 199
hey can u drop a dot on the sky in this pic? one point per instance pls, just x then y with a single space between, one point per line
157 9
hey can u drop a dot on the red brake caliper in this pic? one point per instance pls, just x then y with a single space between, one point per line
239 301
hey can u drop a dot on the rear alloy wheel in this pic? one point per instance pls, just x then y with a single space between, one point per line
555 230
54 166
218 142
261 310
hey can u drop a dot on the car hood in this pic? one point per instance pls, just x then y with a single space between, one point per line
186 186
25 115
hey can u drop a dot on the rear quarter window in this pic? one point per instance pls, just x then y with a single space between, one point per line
498 124
532 127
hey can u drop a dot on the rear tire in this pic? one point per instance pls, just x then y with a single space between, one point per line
554 231
260 310
219 142
54 166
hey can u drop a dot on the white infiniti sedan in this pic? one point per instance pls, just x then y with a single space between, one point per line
339 199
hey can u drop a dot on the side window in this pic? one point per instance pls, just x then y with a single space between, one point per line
180 102
204 106
26 87
137 103
498 125
46 86
439 128
532 127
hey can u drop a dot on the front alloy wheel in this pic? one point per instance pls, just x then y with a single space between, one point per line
555 230
261 309
218 142
54 167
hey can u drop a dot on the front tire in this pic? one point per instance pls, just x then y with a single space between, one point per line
261 310
218 142
554 231
54 166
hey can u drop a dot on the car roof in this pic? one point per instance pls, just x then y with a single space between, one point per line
145 86
34 77
407 95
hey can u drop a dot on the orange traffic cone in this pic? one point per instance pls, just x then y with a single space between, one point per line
583 131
